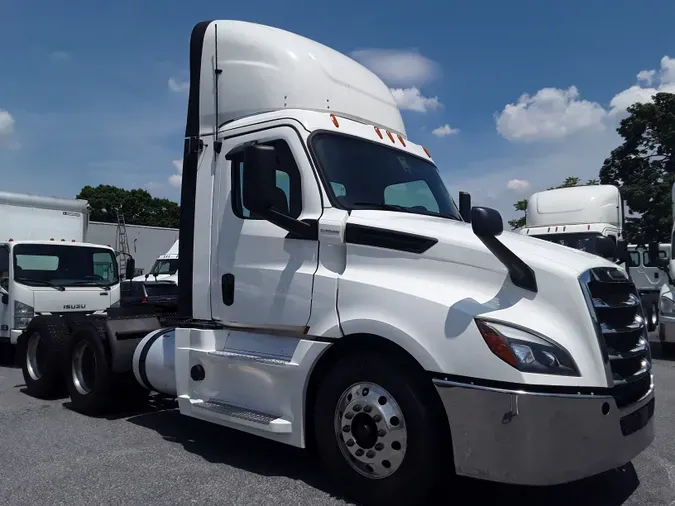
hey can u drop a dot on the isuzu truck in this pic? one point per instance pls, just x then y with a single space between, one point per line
45 267
333 296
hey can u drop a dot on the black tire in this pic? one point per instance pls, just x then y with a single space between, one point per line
428 437
93 387
42 351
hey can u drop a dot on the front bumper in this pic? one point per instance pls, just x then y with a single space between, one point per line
14 335
666 328
529 438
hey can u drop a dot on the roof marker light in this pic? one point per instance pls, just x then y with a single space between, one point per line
549 229
391 137
588 227
335 121
63 240
401 139
73 240
564 228
51 238
11 239
379 134
426 151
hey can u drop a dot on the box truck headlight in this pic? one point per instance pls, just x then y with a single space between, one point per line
23 314
525 351
667 306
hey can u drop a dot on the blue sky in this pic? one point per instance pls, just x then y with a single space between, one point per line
93 92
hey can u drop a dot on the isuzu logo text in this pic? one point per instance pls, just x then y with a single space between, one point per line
74 306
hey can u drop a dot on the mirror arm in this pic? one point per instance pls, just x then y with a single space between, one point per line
299 228
520 273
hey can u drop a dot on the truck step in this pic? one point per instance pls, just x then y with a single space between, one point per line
263 421
247 356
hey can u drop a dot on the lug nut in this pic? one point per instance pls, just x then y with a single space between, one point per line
357 407
370 454
350 442
349 415
359 452
379 446
377 418
367 409
381 432
346 428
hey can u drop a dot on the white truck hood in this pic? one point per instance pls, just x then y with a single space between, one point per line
457 243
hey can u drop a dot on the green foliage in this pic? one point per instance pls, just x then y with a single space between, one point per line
138 206
643 168
521 205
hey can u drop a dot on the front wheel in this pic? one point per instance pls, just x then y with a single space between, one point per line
379 431
653 318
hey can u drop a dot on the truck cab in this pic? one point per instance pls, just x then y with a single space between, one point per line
333 294
165 268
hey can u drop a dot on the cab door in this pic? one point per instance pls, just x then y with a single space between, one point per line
264 275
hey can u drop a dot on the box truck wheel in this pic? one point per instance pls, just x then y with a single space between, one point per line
378 430
42 349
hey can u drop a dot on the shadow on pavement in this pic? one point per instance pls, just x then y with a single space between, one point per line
658 353
220 445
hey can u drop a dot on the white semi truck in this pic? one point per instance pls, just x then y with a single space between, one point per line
46 268
585 218
165 268
373 323
667 292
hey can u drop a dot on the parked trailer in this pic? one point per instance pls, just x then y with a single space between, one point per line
374 323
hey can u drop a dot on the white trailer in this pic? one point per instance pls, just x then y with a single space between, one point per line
46 268
374 323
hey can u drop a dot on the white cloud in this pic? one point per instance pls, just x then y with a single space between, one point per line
178 86
177 179
411 99
7 123
551 113
444 131
403 68
665 80
518 185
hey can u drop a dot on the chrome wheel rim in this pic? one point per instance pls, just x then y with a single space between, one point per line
370 430
34 351
83 367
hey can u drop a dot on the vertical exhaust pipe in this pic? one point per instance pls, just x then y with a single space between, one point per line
465 206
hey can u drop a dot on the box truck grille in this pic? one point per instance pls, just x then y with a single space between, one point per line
622 332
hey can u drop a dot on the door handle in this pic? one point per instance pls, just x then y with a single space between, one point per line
656 275
227 288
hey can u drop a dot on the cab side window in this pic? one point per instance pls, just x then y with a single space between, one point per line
634 259
288 199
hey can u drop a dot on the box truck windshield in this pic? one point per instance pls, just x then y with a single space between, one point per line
62 266
369 175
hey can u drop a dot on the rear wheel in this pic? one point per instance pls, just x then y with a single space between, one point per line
379 431
41 350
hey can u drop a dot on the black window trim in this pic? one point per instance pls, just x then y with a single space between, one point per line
294 187
322 173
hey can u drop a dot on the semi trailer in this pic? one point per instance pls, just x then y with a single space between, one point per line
46 268
334 296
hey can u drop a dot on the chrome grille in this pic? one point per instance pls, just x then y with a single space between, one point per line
622 332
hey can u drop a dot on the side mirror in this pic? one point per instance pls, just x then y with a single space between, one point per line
130 268
605 247
5 298
621 251
486 222
259 178
465 206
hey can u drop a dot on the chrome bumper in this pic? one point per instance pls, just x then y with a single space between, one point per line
542 439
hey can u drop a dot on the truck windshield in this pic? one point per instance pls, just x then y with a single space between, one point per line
367 175
164 267
61 266
582 241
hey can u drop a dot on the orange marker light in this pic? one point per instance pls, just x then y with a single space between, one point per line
335 121
426 151
379 134
401 139
391 137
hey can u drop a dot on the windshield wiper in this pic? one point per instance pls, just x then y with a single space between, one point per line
40 282
90 283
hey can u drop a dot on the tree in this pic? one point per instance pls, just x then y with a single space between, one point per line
521 205
643 168
138 206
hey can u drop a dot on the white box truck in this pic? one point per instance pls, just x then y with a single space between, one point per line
333 295
46 269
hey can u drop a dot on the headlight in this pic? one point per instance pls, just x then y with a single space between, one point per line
23 314
525 351
666 306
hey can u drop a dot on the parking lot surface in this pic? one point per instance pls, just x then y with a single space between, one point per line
50 455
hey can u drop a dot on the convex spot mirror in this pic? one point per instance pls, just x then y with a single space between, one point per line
486 222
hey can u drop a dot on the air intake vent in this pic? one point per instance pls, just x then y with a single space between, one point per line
622 332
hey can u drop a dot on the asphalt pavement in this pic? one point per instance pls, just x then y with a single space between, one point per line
50 455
